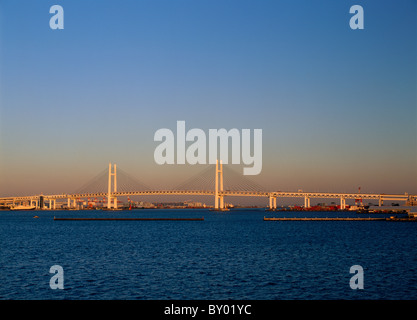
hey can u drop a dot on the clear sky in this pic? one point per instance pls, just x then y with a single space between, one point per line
337 106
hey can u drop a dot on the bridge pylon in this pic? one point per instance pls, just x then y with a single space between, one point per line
109 192
219 198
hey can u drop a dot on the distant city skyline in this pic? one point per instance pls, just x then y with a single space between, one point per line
337 107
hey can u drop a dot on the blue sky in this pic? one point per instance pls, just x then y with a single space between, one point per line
337 106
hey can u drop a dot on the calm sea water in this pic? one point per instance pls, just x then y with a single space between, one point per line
234 255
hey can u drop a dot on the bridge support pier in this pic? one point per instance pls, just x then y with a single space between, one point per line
272 202
74 203
306 202
34 201
52 204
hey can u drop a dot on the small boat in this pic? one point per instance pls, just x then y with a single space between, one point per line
20 208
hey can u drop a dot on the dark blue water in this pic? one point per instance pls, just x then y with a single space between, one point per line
234 255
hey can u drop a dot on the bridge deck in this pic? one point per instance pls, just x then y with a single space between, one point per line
277 194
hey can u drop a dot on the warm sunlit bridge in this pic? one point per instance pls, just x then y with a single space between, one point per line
114 183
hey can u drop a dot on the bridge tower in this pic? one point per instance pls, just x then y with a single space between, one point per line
219 199
109 196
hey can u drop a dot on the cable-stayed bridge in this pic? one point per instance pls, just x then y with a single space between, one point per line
113 183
